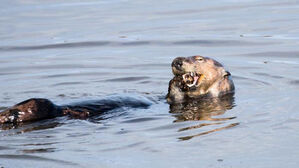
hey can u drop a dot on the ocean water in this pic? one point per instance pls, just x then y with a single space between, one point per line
84 50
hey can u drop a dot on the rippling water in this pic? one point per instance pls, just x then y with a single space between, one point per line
80 50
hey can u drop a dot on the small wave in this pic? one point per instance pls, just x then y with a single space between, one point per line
268 75
207 43
250 80
68 83
279 54
294 82
137 120
127 79
36 158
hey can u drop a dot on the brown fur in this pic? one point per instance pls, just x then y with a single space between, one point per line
37 109
30 110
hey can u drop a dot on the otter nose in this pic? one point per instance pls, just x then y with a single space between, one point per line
178 62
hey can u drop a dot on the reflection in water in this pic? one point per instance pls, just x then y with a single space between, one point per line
204 109
207 132
36 158
39 150
30 126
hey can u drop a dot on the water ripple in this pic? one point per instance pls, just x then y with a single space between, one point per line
209 43
137 120
128 79
35 158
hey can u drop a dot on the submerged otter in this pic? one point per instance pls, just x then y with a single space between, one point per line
197 77
37 108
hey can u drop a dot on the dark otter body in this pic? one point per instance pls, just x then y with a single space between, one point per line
30 110
37 109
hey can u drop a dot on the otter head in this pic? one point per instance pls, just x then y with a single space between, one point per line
202 76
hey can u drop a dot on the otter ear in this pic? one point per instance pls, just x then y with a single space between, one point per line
226 74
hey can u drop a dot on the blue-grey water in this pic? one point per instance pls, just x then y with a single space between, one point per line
68 51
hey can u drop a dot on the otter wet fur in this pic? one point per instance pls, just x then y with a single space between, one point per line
36 109
197 77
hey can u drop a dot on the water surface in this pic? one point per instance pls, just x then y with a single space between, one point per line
79 50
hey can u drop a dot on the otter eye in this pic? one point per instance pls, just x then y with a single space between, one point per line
199 59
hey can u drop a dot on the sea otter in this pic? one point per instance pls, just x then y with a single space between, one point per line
197 77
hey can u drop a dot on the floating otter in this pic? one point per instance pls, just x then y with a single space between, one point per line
197 77
200 90
194 78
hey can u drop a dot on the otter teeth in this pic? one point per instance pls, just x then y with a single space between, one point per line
193 84
191 77
195 78
190 85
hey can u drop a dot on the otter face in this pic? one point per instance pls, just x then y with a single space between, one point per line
202 75
197 70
